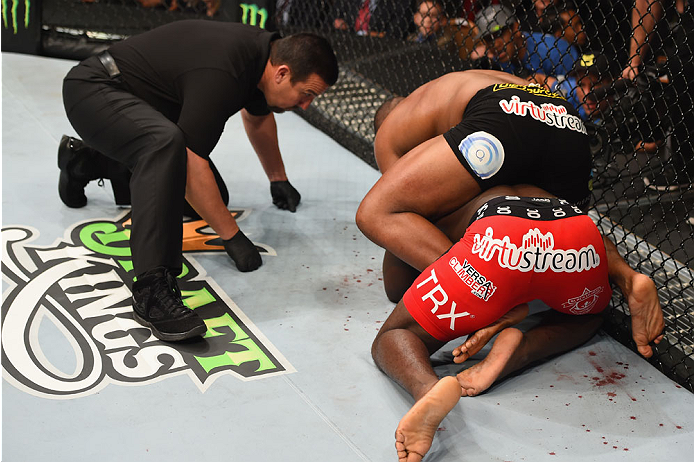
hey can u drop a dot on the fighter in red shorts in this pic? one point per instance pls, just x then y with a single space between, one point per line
516 250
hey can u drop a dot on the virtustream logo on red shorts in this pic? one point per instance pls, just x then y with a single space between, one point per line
536 253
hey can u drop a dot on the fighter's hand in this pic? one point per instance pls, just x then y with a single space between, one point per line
284 196
244 253
647 322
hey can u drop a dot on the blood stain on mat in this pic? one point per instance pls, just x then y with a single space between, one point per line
632 417
608 379
592 353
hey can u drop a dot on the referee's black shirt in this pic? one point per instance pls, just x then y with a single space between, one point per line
197 73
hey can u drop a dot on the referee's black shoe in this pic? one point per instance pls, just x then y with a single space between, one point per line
73 174
157 304
79 164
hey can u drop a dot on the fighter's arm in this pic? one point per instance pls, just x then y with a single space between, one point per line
262 133
203 194
647 322
399 211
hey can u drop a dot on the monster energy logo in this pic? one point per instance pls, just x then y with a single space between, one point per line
254 11
13 11
78 285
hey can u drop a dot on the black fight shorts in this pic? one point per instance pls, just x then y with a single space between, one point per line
513 134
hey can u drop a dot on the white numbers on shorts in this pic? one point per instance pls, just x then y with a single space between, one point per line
558 213
503 210
533 213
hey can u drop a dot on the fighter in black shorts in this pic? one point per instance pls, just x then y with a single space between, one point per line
514 134
452 139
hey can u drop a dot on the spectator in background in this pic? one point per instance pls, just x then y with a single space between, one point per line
530 12
375 18
592 71
518 52
429 19
678 171
563 21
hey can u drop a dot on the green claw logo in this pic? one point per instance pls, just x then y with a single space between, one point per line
254 11
13 11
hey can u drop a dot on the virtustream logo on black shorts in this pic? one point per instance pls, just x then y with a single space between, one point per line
548 113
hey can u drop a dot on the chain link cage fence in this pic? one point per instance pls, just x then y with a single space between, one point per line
639 127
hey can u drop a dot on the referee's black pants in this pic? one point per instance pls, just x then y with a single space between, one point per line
126 128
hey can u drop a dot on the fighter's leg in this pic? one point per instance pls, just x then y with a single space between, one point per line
647 322
402 350
417 428
424 185
513 350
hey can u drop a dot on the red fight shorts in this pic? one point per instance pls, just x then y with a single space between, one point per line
517 249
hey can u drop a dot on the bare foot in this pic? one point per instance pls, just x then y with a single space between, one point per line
417 428
482 375
646 314
478 339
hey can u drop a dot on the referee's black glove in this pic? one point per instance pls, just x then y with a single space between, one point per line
284 196
244 253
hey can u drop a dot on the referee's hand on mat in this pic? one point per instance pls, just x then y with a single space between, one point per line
244 253
284 195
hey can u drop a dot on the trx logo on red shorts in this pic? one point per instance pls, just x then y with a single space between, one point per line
480 285
439 298
584 302
536 253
